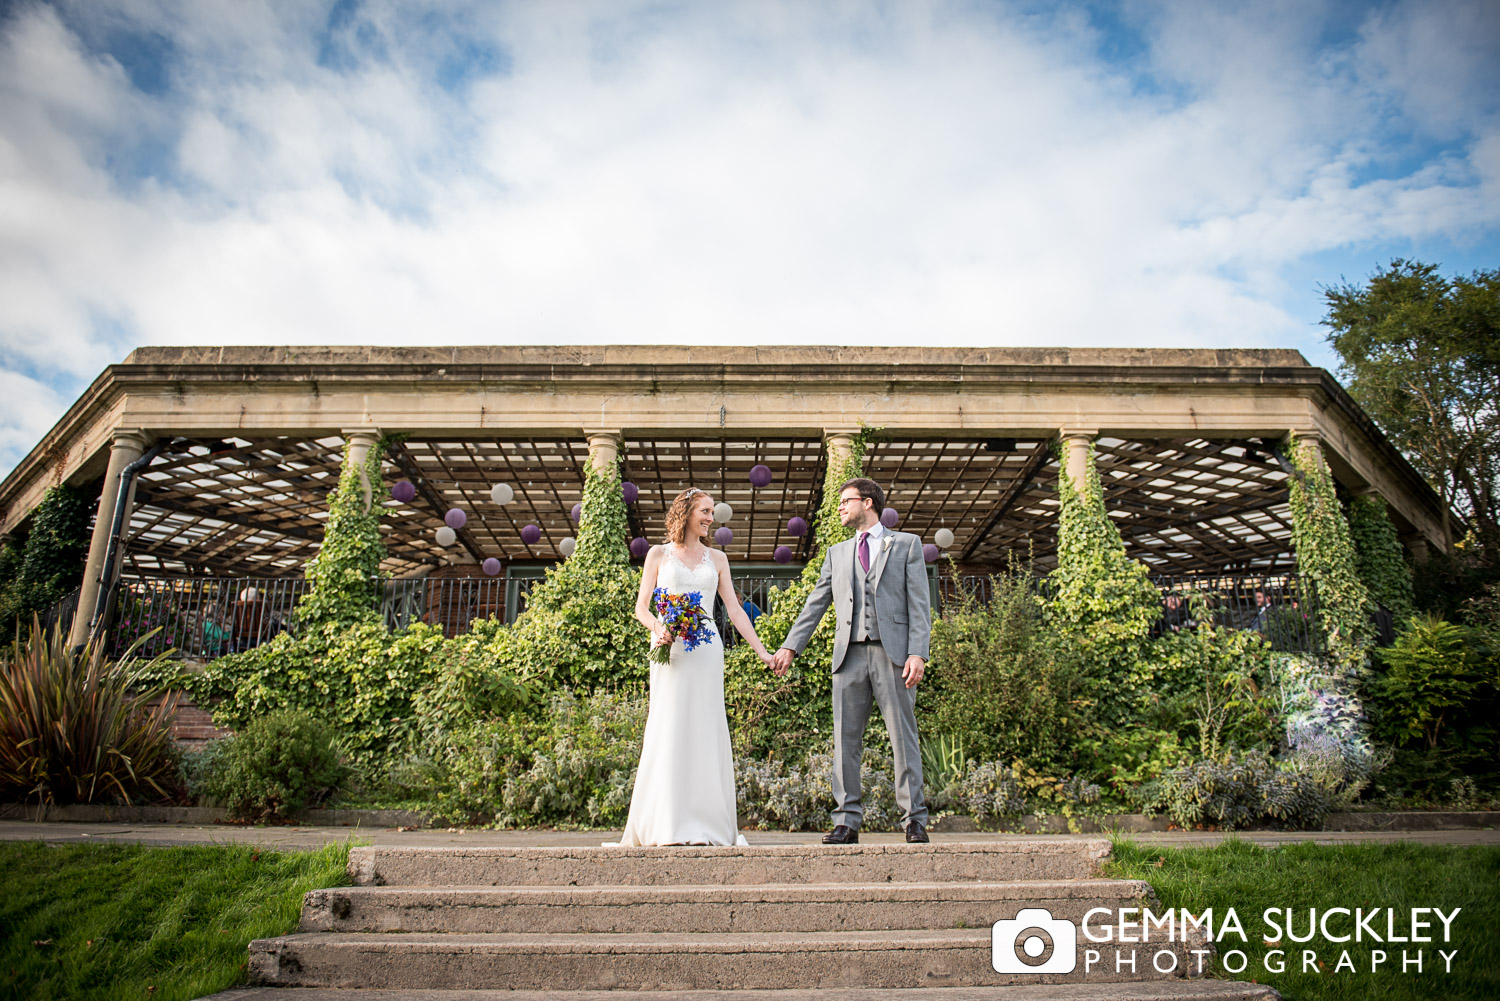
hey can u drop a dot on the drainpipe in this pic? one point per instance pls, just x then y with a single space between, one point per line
110 585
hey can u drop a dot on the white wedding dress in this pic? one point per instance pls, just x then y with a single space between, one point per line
684 787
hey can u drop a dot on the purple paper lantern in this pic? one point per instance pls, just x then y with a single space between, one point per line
577 511
889 517
455 519
639 547
723 536
531 535
490 567
630 492
403 491
930 553
760 476
797 527
783 554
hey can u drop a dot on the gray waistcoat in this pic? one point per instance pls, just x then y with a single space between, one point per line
866 627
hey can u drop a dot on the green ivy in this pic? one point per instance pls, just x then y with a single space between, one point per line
579 627
1378 556
771 714
50 563
1325 556
1101 600
343 574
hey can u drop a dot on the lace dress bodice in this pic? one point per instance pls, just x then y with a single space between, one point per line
677 578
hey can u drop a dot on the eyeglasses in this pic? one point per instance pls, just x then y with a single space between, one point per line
850 500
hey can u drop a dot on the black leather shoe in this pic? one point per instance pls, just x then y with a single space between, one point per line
841 835
916 834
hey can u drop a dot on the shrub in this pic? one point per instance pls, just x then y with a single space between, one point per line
583 770
1235 791
201 768
998 684
278 765
73 730
359 678
1429 672
774 794
992 792
1210 681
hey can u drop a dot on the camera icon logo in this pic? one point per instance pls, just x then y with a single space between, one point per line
1034 942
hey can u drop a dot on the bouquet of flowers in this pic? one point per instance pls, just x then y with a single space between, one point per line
684 619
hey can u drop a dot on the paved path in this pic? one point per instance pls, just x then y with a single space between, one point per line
315 837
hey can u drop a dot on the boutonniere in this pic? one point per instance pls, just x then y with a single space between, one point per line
886 542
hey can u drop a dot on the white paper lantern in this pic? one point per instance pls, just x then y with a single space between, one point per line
445 536
723 512
567 545
249 594
943 538
501 493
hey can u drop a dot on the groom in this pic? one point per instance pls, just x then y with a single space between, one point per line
877 582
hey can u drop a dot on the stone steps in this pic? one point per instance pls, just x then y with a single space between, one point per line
656 960
731 908
997 861
761 918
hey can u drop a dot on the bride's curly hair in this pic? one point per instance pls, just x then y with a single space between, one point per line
677 515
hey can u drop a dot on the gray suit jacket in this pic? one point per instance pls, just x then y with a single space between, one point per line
903 606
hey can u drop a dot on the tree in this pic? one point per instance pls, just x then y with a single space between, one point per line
1421 353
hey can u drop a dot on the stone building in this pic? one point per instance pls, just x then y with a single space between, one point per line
244 444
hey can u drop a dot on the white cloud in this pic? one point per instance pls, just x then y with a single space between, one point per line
716 173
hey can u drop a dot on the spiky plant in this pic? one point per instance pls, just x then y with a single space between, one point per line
76 728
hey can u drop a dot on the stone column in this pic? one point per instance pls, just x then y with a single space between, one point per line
357 445
604 451
840 445
1417 546
1310 442
126 447
1076 444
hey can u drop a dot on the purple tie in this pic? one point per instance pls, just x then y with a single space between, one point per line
864 551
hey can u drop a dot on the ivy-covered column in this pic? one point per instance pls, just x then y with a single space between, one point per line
1377 552
603 525
1101 599
342 576
1325 554
124 448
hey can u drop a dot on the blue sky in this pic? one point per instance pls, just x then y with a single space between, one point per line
969 173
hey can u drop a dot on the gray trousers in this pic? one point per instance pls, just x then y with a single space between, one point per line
868 677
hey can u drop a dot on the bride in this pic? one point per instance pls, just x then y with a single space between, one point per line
684 787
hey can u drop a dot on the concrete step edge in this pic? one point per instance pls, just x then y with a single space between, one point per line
768 892
1151 990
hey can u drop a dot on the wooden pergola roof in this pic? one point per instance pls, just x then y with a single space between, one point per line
255 506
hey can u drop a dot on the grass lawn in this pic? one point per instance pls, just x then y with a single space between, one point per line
1251 878
123 921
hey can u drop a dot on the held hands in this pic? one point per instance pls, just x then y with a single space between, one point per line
915 668
781 662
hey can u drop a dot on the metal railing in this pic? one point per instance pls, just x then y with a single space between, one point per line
1283 607
61 612
206 617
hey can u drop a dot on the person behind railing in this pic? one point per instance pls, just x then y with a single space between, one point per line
1261 621
247 619
750 607
1174 615
216 631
